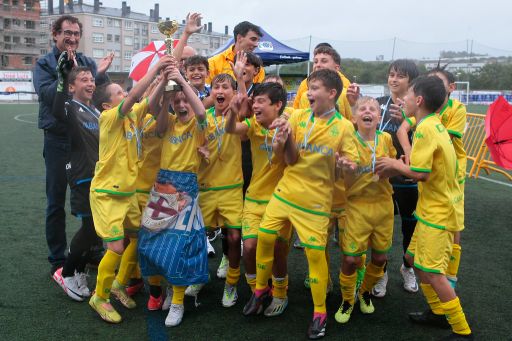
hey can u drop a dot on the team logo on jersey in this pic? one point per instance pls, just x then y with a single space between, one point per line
315 148
418 135
129 135
353 245
334 131
180 139
302 124
440 128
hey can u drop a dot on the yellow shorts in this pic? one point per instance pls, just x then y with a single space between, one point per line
368 223
312 229
134 216
222 208
431 248
339 216
113 215
251 219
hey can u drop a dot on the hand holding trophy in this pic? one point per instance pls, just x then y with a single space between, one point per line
168 28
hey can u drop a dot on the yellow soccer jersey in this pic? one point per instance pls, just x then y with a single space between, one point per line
224 169
149 163
441 201
265 174
363 186
181 141
453 117
117 166
308 184
220 64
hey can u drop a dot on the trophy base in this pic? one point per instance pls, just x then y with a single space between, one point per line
172 86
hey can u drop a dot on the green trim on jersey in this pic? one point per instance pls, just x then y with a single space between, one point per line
424 118
337 210
142 191
421 170
119 113
267 231
250 236
238 227
112 239
424 269
246 120
315 247
221 188
409 253
354 254
301 208
107 191
421 220
261 202
455 133
381 251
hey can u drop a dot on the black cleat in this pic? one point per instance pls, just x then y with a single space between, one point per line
428 318
255 304
316 329
457 337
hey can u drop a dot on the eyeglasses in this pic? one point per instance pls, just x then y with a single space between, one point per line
69 33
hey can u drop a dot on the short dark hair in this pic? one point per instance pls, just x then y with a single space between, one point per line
76 71
321 45
196 60
101 95
244 27
275 93
431 88
224 77
57 24
406 67
253 59
442 70
272 78
330 78
329 51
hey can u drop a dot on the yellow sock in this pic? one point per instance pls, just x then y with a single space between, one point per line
318 277
280 287
128 263
233 276
106 273
453 265
264 258
371 276
432 299
251 280
155 280
348 287
455 316
178 294
136 272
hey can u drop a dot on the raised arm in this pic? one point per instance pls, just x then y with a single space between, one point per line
403 137
232 125
64 66
190 94
162 121
285 141
193 25
155 95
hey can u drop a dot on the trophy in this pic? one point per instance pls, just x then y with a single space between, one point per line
168 28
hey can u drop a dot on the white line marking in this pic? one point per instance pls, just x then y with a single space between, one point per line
495 181
17 118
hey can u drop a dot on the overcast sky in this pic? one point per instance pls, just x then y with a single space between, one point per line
421 26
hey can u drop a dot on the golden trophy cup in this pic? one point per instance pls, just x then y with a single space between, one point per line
168 28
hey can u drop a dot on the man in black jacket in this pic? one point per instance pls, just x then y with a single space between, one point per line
66 33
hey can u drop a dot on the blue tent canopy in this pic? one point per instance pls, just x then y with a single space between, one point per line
272 51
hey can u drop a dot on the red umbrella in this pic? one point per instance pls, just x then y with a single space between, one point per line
146 58
498 129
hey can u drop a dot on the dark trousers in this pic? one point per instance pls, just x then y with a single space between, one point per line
406 199
55 152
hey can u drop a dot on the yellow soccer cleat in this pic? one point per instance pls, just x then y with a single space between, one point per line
344 312
365 303
105 309
119 292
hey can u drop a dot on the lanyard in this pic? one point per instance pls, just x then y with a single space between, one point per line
312 118
139 134
381 128
372 149
268 148
219 131
250 89
94 113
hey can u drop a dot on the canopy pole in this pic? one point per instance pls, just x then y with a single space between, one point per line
309 51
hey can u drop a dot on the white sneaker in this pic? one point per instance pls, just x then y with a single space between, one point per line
194 289
175 315
168 298
81 279
211 250
71 288
222 271
212 235
409 278
230 296
276 307
379 290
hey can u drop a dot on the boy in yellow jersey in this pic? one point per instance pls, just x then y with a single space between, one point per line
440 211
221 181
369 211
113 185
268 104
453 117
311 142
328 58
276 79
180 160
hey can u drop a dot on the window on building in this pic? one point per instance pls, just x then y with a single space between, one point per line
204 39
144 42
44 25
16 40
117 38
28 5
154 29
97 22
97 37
117 68
117 23
98 53
30 40
109 37
128 25
128 55
5 60
110 22
43 52
29 24
16 22
7 23
27 60
7 46
7 39
14 3
128 41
